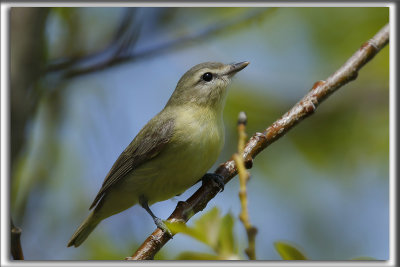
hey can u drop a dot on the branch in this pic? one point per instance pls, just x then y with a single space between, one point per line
126 30
160 48
244 176
16 249
259 141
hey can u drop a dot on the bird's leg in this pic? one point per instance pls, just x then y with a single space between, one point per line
160 224
218 179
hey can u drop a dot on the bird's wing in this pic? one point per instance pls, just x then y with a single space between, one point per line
147 144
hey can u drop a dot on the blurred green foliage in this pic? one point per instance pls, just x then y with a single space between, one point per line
212 230
288 251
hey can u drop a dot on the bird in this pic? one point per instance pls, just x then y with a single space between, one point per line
172 152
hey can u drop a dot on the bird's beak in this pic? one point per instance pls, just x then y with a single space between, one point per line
235 67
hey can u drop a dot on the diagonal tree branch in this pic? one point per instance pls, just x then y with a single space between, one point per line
259 141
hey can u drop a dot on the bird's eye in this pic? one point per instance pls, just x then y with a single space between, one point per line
207 76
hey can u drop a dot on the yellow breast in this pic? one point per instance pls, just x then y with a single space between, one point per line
196 143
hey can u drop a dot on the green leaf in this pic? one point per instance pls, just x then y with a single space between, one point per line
209 226
212 230
205 229
180 227
289 252
226 240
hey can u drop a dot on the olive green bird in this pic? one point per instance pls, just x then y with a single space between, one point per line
172 152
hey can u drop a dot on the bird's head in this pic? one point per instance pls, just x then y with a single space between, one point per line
205 84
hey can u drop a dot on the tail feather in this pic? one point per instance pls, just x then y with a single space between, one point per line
83 231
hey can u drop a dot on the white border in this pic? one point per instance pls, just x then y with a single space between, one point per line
198 4
5 223
392 135
5 167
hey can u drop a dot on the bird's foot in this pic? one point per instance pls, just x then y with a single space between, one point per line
160 224
216 178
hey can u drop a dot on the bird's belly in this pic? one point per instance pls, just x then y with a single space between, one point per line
177 167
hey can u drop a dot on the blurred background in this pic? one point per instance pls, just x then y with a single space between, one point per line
84 81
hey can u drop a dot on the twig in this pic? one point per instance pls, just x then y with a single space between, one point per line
244 176
126 29
16 249
160 48
259 141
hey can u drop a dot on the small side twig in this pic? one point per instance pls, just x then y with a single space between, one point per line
16 248
155 50
126 29
244 176
259 141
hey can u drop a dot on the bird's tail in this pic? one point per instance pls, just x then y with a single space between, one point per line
84 230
